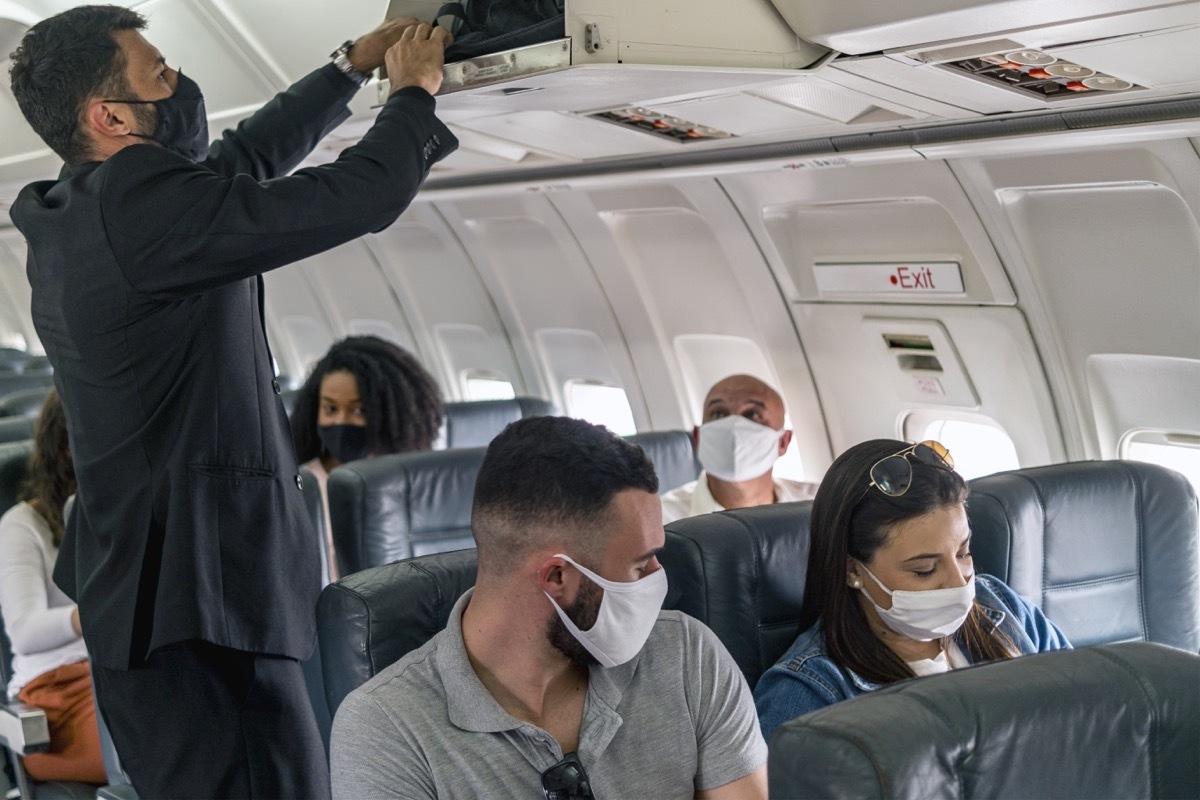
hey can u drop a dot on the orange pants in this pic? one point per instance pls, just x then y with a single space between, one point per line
66 695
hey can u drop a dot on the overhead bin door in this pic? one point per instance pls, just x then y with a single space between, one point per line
864 26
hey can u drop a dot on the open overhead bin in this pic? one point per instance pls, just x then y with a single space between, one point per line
629 33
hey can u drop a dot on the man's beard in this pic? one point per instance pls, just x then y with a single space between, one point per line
583 612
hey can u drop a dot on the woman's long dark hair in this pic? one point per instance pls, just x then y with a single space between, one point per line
851 520
402 401
51 478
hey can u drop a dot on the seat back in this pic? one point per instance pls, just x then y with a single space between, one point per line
474 423
371 619
403 505
1107 549
23 402
741 572
1031 727
14 465
673 455
16 429
16 382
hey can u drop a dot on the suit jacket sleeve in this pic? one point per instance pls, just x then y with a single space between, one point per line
270 143
178 228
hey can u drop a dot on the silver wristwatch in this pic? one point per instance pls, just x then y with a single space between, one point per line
341 60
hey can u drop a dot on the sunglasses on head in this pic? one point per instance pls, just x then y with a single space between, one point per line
567 780
893 475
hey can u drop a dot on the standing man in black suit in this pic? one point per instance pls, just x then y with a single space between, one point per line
189 550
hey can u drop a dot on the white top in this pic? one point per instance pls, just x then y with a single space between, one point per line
318 471
951 657
693 499
37 614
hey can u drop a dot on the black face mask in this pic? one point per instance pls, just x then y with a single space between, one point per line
182 121
344 442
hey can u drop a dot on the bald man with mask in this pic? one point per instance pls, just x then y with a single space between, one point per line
741 438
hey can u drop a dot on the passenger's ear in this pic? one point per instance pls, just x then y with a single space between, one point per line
553 579
852 577
109 120
784 441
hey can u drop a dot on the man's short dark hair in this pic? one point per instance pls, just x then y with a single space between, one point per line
64 61
553 475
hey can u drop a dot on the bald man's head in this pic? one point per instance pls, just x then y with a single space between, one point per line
745 396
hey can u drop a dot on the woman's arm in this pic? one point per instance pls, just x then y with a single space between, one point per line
31 624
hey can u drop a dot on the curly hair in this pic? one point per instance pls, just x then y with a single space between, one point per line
64 61
51 474
402 401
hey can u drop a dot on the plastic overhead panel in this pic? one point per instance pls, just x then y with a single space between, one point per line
865 26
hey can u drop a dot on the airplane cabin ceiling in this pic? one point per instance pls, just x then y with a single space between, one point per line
691 80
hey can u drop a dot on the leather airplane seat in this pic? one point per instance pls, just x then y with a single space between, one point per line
1107 549
370 619
673 455
402 505
411 504
16 429
1115 720
741 573
12 382
14 463
23 402
474 423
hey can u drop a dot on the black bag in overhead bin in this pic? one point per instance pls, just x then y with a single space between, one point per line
483 27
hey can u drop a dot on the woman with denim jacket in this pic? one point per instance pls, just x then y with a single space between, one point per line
891 591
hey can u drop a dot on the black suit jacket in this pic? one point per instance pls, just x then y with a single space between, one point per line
189 521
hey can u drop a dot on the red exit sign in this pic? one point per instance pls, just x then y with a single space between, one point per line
938 277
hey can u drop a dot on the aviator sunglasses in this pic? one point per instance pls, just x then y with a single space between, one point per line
567 780
893 475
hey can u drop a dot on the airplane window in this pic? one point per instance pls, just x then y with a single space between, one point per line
601 404
487 388
979 448
1183 456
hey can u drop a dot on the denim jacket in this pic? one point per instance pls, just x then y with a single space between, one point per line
806 678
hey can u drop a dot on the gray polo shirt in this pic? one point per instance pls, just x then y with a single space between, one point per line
676 719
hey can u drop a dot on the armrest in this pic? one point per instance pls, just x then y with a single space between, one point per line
23 729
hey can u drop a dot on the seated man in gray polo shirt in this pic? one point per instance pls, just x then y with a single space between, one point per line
558 675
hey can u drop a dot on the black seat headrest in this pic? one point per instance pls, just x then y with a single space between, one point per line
475 423
23 402
16 429
403 505
14 464
673 456
741 572
1119 720
371 619
1107 549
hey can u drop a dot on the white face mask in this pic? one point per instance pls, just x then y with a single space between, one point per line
627 614
927 615
734 448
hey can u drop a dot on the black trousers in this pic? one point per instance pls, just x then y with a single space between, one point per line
198 720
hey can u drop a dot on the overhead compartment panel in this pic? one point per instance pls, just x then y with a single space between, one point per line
866 26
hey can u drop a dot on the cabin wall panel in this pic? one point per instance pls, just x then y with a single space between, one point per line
858 378
841 214
16 317
678 265
1103 246
297 318
451 313
539 276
